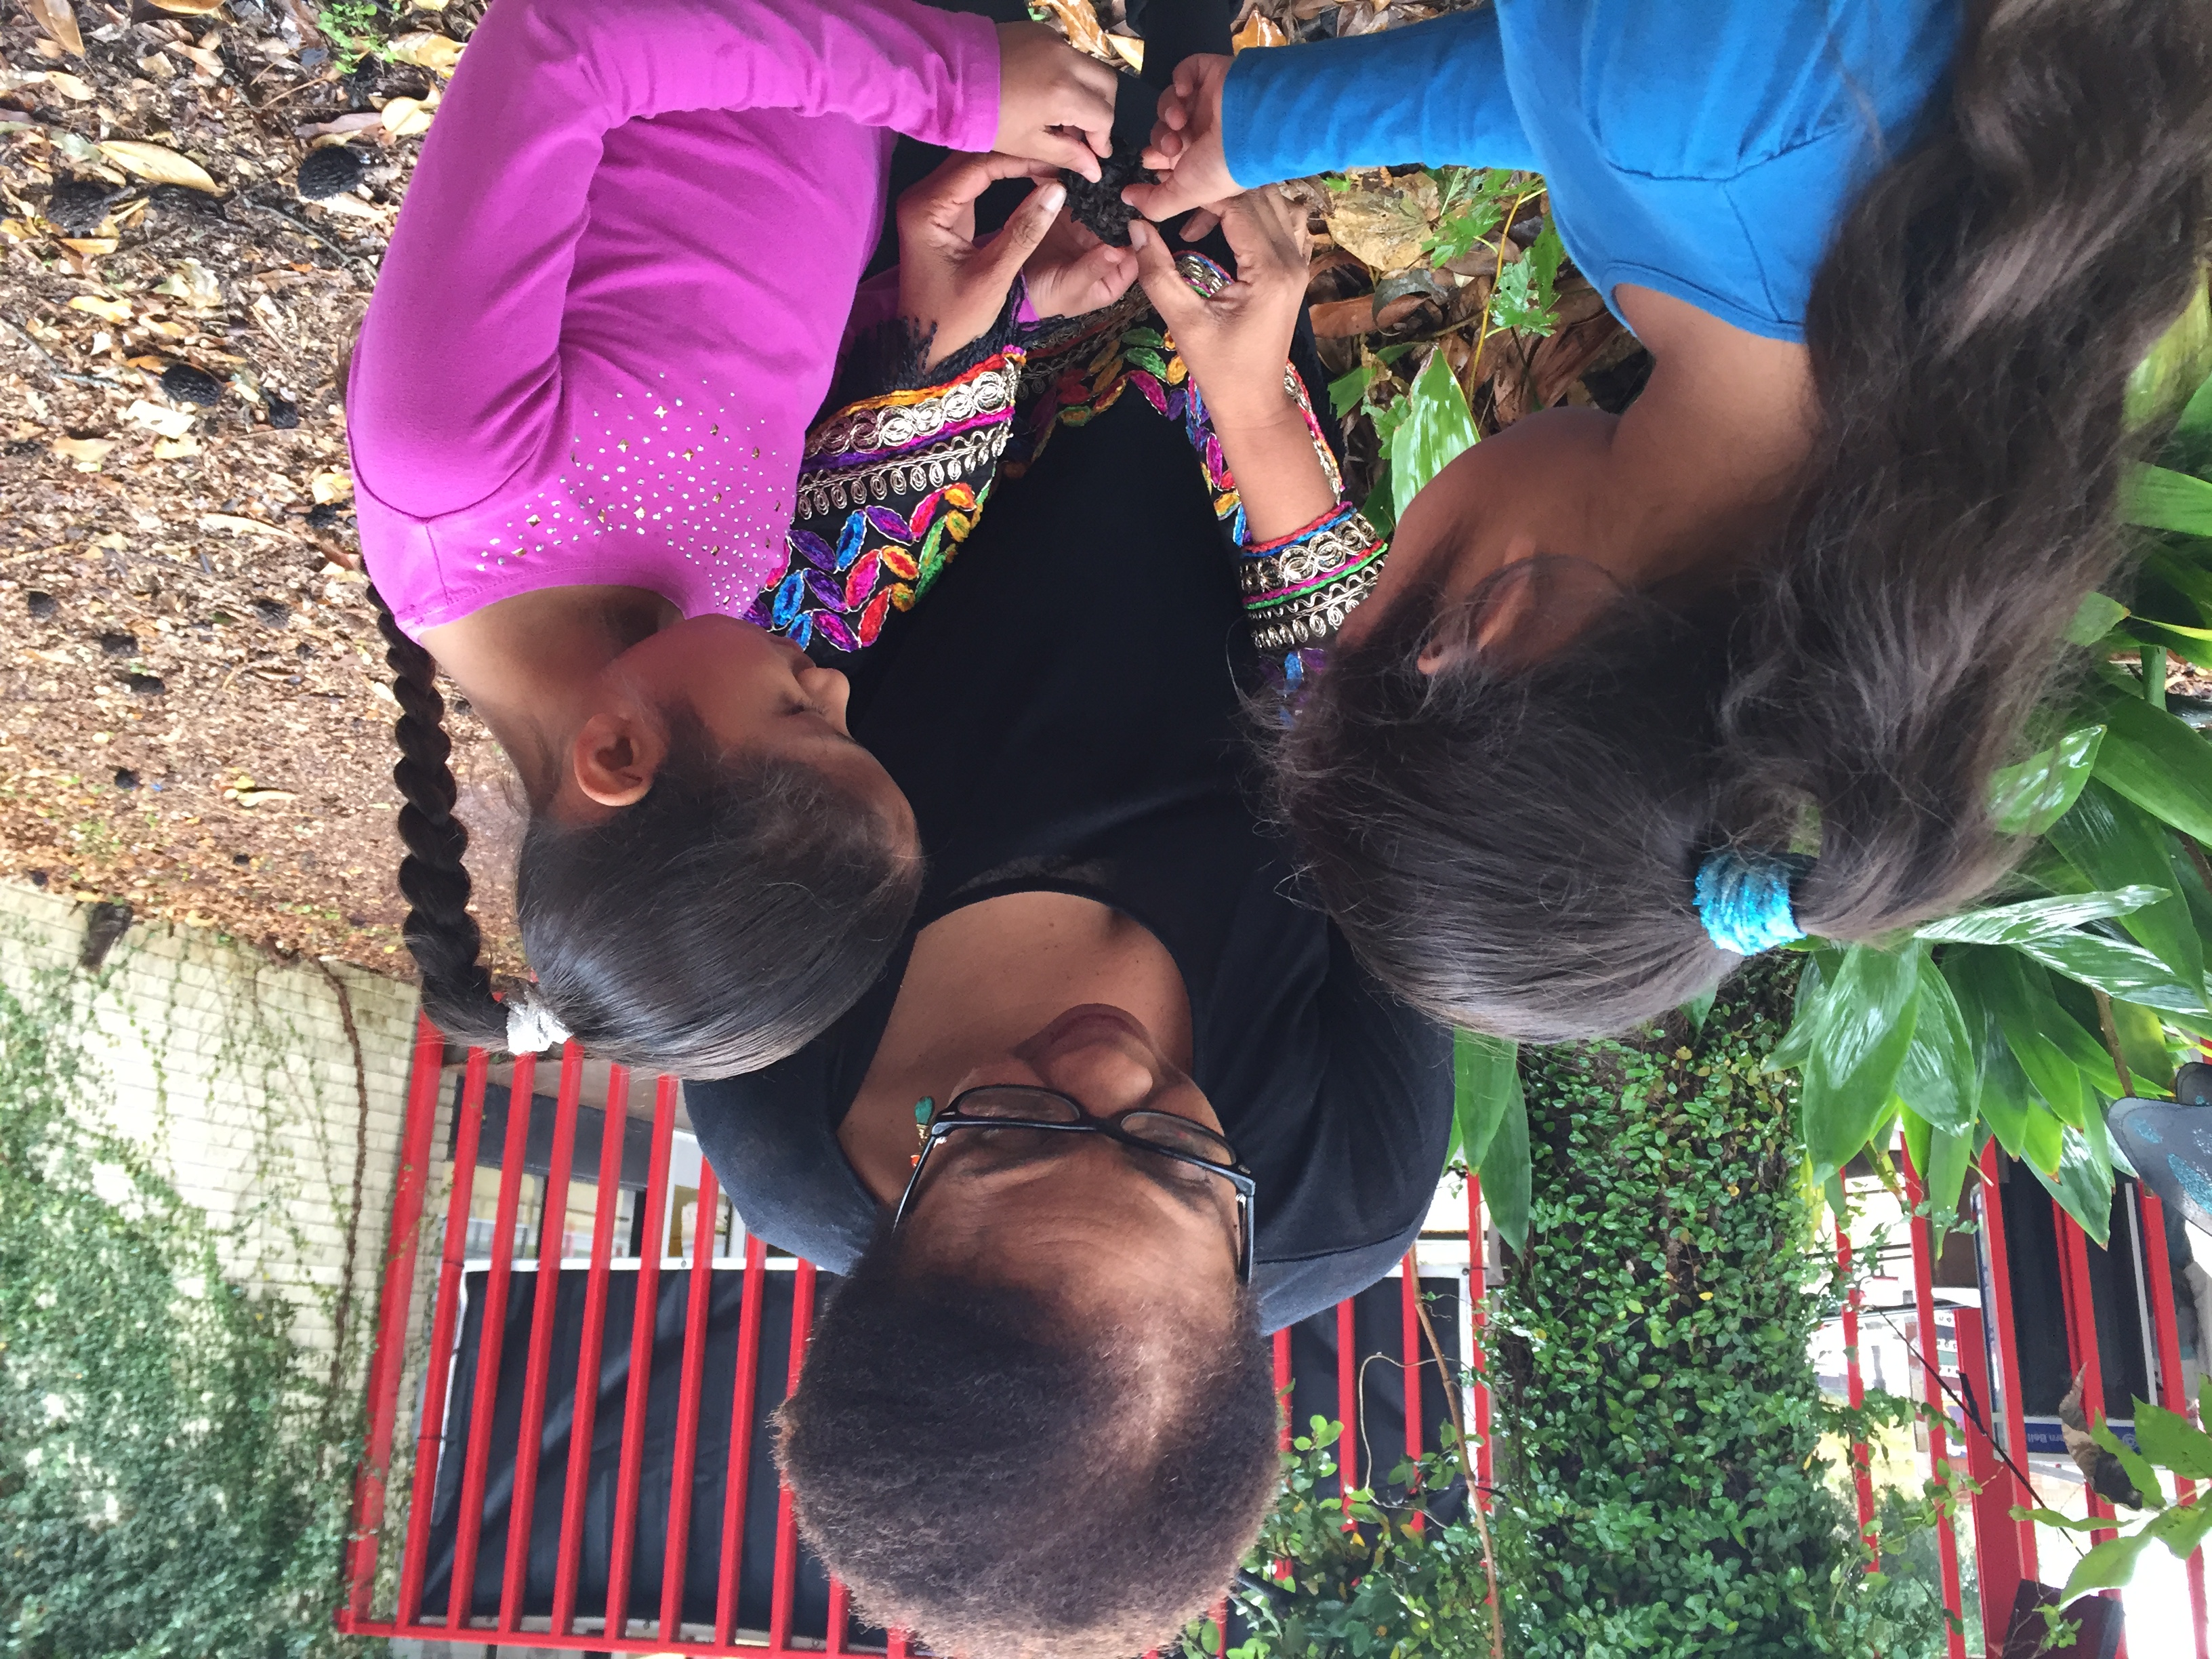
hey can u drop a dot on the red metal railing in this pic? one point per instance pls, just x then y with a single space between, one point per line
389 1601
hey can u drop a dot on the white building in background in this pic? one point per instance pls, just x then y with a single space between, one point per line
237 1075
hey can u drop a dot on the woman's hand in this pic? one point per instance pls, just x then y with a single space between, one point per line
1237 342
952 287
1074 272
1186 145
1054 104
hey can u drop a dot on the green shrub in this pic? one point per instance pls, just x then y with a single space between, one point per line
173 1467
1659 1423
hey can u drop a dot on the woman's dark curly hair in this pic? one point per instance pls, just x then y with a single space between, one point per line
1512 845
1004 1482
720 922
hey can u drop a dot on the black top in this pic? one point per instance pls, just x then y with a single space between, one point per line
1063 712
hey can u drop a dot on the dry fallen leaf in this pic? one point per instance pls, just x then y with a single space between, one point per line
207 61
359 121
87 452
1259 31
331 486
167 423
57 19
252 797
1079 23
158 165
188 7
92 246
1129 50
427 49
69 86
172 449
405 117
113 311
352 207
1384 220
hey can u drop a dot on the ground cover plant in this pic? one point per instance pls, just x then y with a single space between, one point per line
173 1464
1659 1485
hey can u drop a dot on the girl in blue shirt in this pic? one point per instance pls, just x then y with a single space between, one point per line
1894 261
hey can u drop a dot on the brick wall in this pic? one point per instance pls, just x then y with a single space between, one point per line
237 1074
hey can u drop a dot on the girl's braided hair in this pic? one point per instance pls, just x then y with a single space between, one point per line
1512 845
715 926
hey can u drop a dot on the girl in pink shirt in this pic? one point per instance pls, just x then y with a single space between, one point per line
612 306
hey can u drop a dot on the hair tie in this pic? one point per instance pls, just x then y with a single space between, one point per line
531 1027
1743 898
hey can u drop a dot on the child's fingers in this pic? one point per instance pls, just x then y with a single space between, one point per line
1105 274
1162 149
1199 224
1162 201
1163 285
1076 151
1172 111
1004 254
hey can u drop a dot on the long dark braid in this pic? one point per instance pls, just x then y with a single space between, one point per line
447 944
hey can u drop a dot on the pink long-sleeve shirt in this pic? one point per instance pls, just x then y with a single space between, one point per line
615 294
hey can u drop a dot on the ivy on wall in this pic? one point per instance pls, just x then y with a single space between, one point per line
1661 1491
173 1463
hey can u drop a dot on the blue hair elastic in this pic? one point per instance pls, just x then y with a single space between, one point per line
1743 898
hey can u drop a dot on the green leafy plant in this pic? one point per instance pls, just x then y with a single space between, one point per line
356 29
1659 1424
173 1464
1526 298
2165 1440
2087 981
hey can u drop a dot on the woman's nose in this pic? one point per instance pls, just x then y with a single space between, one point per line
828 688
1106 1076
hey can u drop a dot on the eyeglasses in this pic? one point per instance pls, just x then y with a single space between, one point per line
1022 1108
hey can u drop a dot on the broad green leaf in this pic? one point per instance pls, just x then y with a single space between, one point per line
2142 1045
1697 1007
2010 924
1950 1160
1916 1136
1865 1027
2114 843
2106 1567
1941 1079
1345 390
1805 1017
1506 1176
2026 799
2083 1184
2063 1522
2006 1097
2003 986
2183 1526
2157 762
2045 1138
1486 1079
2118 968
1436 429
2159 499
2173 1442
2141 1475
2093 618
2175 367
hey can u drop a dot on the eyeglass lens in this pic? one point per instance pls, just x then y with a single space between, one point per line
1160 1128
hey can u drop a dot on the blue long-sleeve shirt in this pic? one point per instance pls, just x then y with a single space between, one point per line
1706 148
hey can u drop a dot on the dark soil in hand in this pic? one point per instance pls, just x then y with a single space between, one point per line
1099 208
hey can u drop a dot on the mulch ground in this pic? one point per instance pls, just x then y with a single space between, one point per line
193 715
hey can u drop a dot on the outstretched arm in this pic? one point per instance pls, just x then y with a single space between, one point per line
457 375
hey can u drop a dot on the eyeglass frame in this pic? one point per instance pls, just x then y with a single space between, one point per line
1089 1122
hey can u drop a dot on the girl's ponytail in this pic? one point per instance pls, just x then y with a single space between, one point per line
1971 330
457 990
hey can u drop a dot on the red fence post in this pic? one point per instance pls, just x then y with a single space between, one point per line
737 1482
2168 1332
1991 1196
2081 1301
1939 1456
552 1233
476 1460
584 1403
786 1520
1347 1405
697 1309
467 1131
1997 1538
1855 1383
1409 1301
644 1321
388 1358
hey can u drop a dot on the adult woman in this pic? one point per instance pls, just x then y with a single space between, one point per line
1040 1406
612 304
1893 263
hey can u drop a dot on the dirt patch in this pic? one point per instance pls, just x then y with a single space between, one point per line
194 714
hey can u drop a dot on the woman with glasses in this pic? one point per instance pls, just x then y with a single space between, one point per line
1121 1102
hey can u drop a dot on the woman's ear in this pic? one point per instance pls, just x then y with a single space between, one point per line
1530 609
616 755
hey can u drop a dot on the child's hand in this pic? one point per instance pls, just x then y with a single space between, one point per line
952 287
1186 146
1237 342
1073 272
1054 104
